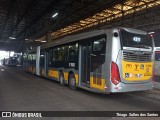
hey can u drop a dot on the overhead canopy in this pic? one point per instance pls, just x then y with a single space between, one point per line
30 20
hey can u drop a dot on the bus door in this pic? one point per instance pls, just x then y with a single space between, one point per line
85 64
98 74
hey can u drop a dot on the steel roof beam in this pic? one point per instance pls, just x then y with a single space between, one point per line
48 9
8 15
30 5
123 11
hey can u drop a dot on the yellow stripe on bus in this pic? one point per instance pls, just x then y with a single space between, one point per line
97 83
55 74
52 73
76 77
65 76
42 72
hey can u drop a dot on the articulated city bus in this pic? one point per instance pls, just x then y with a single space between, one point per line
157 61
105 61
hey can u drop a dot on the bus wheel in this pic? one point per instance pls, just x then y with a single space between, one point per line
61 79
72 82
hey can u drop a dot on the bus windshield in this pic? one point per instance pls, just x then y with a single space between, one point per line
136 40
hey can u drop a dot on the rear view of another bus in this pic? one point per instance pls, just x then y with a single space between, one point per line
157 61
11 61
132 60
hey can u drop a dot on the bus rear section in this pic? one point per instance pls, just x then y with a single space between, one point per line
132 61
157 61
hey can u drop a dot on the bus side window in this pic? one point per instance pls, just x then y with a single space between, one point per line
99 46
73 52
34 58
42 58
98 53
29 58
59 54
63 53
54 58
50 57
66 51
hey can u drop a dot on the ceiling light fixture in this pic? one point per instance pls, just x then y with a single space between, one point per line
54 15
43 41
13 38
151 33
37 40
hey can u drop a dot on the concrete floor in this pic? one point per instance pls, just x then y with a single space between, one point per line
21 91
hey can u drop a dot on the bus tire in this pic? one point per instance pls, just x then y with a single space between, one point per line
72 82
61 79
